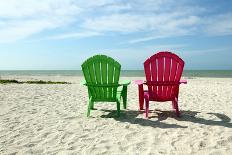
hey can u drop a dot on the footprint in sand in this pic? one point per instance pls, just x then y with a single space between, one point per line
131 136
202 144
72 148
225 142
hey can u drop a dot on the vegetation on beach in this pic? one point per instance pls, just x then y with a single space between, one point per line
3 81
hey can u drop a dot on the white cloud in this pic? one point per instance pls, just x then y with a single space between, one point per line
20 19
134 23
126 53
137 55
144 39
93 4
210 51
75 35
219 24
159 19
170 28
33 8
115 23
19 30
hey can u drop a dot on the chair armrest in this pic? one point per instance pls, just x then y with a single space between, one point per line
83 82
138 82
125 82
183 81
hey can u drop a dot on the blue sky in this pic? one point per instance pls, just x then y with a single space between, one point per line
61 34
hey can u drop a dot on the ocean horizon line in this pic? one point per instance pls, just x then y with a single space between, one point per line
126 73
121 70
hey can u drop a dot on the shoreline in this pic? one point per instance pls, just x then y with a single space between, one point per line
126 73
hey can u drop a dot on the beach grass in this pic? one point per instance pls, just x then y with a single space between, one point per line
5 81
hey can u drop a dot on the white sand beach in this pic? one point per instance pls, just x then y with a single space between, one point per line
51 119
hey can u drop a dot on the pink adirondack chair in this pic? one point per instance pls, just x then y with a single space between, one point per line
163 72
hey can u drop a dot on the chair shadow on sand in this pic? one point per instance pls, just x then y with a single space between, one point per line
130 116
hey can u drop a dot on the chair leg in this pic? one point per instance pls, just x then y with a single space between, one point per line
92 106
124 96
173 105
177 111
118 108
146 107
89 106
176 107
141 97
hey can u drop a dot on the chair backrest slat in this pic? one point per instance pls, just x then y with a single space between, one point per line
104 74
148 74
98 76
117 70
87 78
160 73
92 77
110 76
172 77
167 74
154 72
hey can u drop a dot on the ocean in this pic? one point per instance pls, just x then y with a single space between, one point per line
126 73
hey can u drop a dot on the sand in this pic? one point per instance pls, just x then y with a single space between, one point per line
51 119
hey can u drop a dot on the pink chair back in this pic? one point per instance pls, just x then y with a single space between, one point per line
163 72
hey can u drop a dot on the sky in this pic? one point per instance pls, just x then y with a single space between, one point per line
61 34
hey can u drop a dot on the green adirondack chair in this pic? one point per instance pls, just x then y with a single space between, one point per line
102 80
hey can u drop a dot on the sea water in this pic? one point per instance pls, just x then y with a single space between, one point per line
126 73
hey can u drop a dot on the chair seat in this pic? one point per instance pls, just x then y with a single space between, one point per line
118 96
158 98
